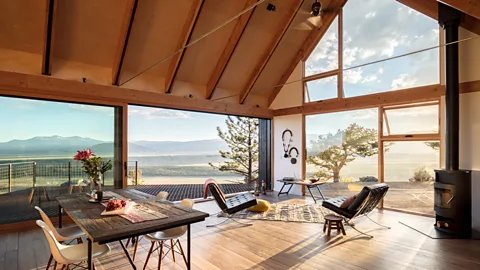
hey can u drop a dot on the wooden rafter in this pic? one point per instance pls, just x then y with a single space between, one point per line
309 45
430 9
283 27
227 53
123 40
47 55
184 40
470 7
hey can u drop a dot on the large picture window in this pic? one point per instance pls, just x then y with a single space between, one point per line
176 151
37 145
382 43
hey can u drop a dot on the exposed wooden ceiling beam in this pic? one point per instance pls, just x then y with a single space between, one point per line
227 53
470 7
125 31
309 45
283 27
185 39
416 94
41 87
47 55
410 95
430 9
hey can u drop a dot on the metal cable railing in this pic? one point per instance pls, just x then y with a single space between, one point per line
24 175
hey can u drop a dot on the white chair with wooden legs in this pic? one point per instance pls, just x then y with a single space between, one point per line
61 234
162 195
71 255
162 238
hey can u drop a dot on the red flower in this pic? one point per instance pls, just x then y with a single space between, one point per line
83 155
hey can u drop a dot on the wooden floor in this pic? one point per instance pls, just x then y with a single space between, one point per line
278 245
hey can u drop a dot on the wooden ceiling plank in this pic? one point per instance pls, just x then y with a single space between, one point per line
47 55
229 49
187 35
470 7
308 45
283 27
124 37
430 9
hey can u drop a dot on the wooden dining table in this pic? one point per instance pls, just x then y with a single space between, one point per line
106 229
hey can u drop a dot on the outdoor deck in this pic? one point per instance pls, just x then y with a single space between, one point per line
279 245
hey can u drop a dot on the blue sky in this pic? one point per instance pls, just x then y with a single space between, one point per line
24 119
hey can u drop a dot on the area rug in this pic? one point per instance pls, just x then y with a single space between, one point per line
309 213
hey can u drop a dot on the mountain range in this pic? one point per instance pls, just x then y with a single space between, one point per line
68 146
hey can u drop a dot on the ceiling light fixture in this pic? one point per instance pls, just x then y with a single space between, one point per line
316 8
271 7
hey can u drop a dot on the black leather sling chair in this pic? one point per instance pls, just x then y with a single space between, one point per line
363 204
231 205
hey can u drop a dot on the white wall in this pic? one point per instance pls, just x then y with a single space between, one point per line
290 95
282 167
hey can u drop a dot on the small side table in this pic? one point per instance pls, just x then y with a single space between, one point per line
333 222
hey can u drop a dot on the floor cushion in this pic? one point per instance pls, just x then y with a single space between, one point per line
261 206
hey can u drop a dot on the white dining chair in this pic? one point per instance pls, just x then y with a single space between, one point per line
162 195
71 255
171 234
61 234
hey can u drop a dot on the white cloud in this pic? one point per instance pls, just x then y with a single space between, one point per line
380 70
403 81
364 114
353 75
91 108
370 14
154 113
369 78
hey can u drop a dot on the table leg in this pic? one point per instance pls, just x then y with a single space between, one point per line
89 261
59 216
321 194
311 194
280 192
128 255
189 248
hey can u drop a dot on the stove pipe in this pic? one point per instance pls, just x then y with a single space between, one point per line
449 18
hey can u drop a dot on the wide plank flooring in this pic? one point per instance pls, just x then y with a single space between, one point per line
277 245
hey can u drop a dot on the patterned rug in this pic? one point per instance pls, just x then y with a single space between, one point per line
310 213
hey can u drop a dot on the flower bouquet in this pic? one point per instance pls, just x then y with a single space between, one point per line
94 167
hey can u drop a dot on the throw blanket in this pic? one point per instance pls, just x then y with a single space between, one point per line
205 186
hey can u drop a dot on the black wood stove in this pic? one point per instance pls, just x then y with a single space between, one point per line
453 187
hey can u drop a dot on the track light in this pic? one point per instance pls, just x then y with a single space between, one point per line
271 7
316 8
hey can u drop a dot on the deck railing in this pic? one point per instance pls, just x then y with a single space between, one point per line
23 175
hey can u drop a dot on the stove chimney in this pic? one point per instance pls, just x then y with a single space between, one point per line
449 18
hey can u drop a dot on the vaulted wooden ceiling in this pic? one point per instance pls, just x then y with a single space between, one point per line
111 41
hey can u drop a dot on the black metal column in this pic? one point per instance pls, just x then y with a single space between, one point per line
265 151
449 18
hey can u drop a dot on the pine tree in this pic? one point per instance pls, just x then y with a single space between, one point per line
242 139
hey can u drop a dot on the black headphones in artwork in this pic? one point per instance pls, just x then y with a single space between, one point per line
294 159
286 155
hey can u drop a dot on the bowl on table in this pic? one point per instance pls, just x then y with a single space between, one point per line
313 180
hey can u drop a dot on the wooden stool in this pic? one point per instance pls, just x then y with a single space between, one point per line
333 222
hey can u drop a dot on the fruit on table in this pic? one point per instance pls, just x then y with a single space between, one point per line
115 205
